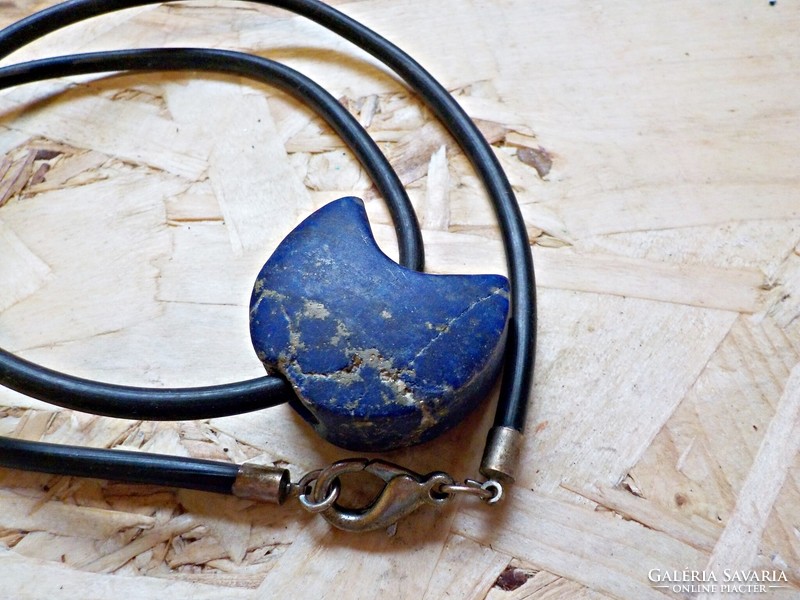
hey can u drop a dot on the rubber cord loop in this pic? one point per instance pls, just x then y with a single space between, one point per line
205 402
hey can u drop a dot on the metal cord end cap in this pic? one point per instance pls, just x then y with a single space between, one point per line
500 457
262 483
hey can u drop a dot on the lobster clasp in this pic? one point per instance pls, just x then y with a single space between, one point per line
404 492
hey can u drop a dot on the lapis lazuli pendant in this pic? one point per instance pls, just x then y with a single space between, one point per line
379 356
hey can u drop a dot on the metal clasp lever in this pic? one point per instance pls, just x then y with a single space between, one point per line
404 492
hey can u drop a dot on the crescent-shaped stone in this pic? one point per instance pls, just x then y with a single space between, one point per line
379 356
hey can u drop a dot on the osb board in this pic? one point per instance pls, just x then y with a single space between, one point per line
653 147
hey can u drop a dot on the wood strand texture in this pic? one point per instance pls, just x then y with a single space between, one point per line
653 148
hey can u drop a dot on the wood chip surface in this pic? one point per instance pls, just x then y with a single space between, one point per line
653 147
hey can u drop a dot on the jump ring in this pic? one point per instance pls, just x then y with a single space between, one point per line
495 488
490 491
318 507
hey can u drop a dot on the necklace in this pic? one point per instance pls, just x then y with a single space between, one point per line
372 354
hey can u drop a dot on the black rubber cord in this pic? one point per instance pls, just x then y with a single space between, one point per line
220 400
118 465
520 346
521 343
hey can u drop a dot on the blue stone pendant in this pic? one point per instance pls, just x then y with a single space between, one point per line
379 356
